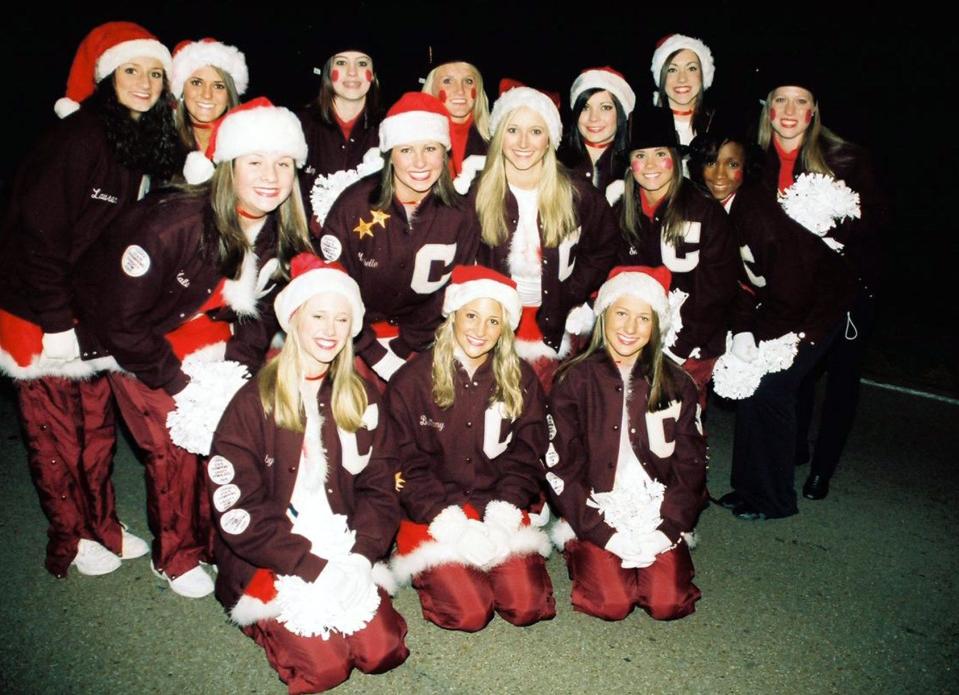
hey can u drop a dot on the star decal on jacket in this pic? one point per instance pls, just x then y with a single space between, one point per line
379 217
399 482
363 228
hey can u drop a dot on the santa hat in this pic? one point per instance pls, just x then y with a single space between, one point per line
470 282
101 52
256 126
515 97
313 276
190 56
604 78
649 284
416 116
671 43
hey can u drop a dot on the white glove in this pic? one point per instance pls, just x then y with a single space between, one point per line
744 347
61 347
388 364
503 515
580 320
477 546
346 579
638 552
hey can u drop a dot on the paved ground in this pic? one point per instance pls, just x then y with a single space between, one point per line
855 594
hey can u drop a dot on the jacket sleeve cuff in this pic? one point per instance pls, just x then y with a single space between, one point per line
310 567
177 384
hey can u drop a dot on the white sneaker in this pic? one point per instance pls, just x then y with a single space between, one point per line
192 584
92 559
133 546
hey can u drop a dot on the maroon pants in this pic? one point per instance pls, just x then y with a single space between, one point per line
457 597
601 587
701 371
178 509
312 664
70 436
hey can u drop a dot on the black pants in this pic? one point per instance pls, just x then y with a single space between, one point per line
764 448
842 365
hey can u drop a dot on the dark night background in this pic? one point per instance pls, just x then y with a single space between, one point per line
890 80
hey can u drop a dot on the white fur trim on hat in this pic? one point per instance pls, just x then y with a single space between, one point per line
531 99
199 54
115 56
678 42
604 79
261 129
639 285
315 281
414 126
463 293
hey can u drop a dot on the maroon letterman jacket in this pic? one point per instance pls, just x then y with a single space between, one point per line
251 452
705 265
586 409
469 452
152 275
67 192
573 270
400 265
606 170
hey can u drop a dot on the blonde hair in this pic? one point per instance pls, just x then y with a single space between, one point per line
279 386
555 205
506 368
812 155
480 104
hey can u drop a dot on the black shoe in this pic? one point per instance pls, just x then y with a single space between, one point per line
816 487
730 500
746 512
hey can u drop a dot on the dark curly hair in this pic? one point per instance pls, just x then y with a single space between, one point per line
149 144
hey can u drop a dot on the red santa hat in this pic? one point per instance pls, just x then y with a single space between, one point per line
469 282
417 116
515 97
671 43
606 78
190 56
649 284
256 126
312 276
102 51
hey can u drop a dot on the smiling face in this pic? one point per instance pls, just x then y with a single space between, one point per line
262 181
138 84
652 169
477 326
724 176
351 73
455 84
416 167
684 80
628 327
597 120
525 140
205 95
323 326
791 110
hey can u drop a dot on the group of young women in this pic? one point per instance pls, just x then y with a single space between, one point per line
476 337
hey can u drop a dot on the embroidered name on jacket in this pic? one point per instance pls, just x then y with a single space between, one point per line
106 197
426 422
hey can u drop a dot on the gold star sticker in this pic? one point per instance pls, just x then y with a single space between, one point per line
399 481
364 229
379 217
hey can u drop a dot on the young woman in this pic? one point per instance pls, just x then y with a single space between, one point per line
815 294
551 232
469 423
302 489
626 464
666 221
192 276
209 78
400 232
722 161
341 123
601 101
91 168
683 69
459 86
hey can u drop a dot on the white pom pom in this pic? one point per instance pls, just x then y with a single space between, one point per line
818 202
580 320
64 106
736 379
200 405
197 169
321 607
632 507
471 166
676 299
327 188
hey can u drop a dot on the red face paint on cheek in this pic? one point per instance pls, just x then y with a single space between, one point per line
738 175
335 75
636 165
808 116
441 95
668 164
772 114
369 75
473 93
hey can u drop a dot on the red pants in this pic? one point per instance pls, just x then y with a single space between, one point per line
457 597
601 587
178 509
70 437
312 664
